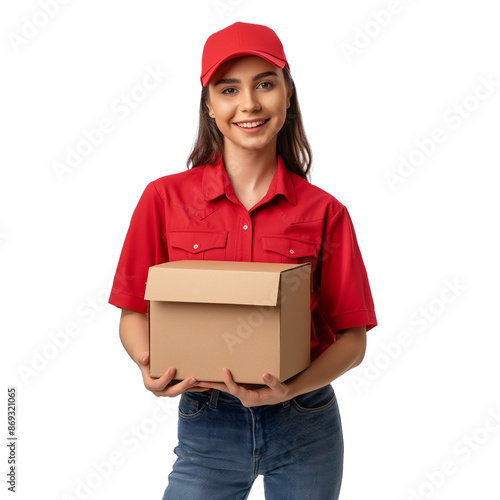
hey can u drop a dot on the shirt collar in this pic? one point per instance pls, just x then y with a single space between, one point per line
216 182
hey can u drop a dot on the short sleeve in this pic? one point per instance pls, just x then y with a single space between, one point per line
144 246
345 297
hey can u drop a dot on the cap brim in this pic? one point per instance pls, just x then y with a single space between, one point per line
280 63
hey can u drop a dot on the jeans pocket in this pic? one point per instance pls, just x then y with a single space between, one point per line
315 401
191 406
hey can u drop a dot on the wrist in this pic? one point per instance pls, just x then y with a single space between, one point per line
293 386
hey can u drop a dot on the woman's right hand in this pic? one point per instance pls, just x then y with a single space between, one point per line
164 386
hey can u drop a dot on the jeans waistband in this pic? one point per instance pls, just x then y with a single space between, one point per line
217 396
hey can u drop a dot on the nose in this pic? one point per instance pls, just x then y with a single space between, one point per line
249 101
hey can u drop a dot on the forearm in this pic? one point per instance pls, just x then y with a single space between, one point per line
346 353
134 332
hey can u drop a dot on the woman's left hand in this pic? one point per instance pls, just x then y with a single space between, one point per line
274 393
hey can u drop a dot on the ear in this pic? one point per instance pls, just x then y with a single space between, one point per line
209 106
290 93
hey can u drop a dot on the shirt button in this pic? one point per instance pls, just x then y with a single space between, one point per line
195 246
292 251
245 227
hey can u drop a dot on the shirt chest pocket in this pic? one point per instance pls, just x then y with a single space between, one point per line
289 250
197 245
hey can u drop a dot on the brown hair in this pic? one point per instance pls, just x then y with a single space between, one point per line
292 144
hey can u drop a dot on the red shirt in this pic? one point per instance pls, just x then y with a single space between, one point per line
196 215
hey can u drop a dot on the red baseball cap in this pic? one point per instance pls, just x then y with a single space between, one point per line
241 39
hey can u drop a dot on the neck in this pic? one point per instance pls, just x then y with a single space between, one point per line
250 169
250 172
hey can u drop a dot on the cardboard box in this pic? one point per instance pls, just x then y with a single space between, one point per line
250 317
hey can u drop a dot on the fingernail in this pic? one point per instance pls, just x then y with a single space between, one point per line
193 381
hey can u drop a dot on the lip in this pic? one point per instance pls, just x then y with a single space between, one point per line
254 129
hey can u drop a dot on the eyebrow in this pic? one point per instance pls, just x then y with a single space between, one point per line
256 77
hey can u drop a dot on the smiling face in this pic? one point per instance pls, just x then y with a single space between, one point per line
248 99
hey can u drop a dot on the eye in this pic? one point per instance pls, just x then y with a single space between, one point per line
228 91
267 85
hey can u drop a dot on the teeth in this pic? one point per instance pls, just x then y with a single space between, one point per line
250 124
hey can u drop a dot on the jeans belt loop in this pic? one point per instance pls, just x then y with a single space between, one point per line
213 398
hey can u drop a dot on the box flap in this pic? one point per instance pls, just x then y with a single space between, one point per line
220 282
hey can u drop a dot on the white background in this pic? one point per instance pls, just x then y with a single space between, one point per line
429 243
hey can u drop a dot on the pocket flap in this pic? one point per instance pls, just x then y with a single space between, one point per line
197 241
289 247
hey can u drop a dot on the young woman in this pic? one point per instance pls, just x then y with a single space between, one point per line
246 197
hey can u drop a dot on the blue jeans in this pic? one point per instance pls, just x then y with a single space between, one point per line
223 446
